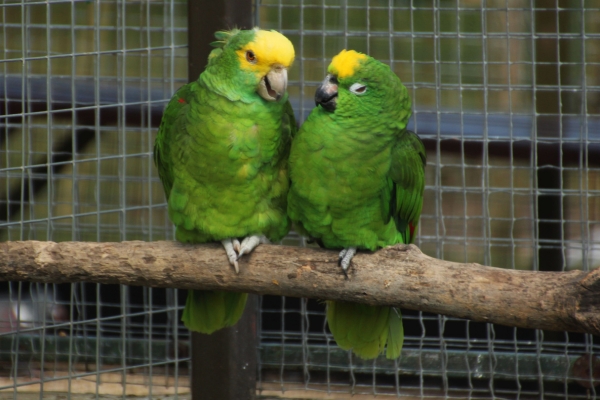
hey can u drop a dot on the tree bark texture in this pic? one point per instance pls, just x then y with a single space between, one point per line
400 276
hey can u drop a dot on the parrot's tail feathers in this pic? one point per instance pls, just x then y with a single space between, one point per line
367 352
207 311
366 329
395 336
235 304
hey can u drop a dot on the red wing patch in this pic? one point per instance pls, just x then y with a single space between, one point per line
181 100
411 228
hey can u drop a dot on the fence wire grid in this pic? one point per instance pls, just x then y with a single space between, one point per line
506 97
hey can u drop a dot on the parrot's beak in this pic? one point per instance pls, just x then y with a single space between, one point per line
327 92
273 85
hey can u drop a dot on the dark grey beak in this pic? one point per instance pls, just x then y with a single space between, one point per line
327 92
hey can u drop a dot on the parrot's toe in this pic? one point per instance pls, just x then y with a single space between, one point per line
236 245
250 242
231 254
345 259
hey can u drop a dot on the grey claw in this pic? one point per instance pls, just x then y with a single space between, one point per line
345 259
249 243
236 245
228 244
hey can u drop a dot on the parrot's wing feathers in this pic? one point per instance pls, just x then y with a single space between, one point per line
406 183
174 110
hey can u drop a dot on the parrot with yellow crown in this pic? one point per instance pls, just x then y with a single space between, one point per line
221 154
357 183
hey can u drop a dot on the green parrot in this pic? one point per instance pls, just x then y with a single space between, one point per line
357 183
221 154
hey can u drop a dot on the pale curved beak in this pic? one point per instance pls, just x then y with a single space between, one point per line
273 85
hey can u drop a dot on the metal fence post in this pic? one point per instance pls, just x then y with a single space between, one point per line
549 163
224 363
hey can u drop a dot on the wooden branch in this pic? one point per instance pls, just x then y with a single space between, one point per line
400 276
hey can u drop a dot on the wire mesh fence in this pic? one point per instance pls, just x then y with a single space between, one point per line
506 97
83 89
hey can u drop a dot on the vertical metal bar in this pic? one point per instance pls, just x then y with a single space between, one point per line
549 174
304 322
549 203
148 292
224 363
205 17
440 226
511 160
98 150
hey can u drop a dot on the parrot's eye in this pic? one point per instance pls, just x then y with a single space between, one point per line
250 57
358 88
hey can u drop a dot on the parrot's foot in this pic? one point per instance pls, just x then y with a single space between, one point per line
235 249
231 254
345 259
248 244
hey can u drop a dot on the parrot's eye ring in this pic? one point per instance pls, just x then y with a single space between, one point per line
358 88
250 57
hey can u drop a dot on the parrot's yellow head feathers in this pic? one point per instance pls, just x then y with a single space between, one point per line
247 63
345 63
267 49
